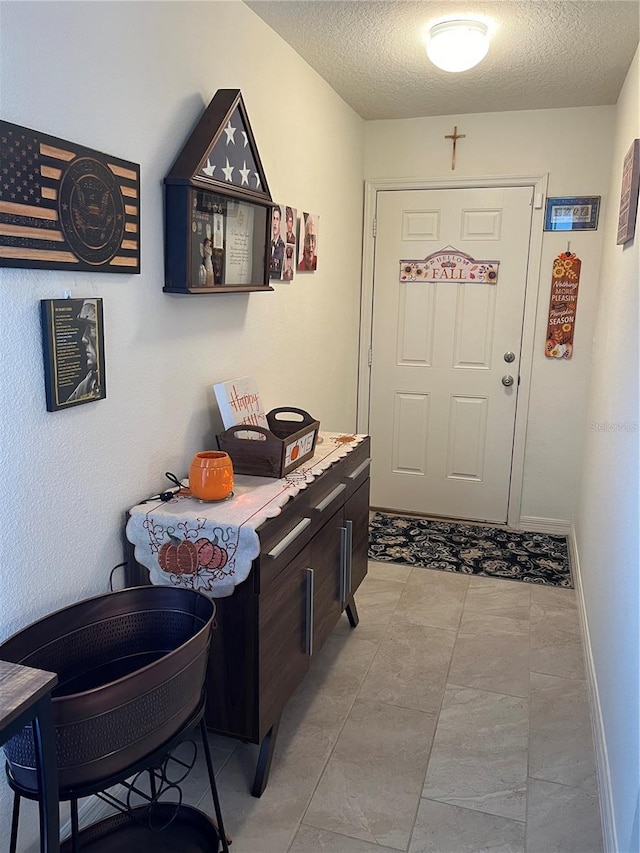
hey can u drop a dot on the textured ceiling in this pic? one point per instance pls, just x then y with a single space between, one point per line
544 53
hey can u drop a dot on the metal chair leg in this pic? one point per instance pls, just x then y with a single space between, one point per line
15 818
152 782
75 826
212 783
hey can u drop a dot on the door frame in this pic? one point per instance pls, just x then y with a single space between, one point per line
539 184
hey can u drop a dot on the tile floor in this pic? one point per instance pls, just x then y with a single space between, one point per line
454 718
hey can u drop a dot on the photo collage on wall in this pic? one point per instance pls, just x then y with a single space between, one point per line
283 243
289 254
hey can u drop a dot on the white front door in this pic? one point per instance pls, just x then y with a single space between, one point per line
441 419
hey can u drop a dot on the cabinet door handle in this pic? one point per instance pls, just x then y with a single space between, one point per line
330 498
288 539
309 613
344 547
349 528
355 474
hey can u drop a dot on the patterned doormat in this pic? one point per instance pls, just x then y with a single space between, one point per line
470 549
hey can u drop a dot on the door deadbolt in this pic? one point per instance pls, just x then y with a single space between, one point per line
509 357
507 380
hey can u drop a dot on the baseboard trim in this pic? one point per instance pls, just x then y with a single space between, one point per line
554 526
610 840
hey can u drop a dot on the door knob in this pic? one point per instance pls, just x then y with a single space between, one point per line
509 357
507 380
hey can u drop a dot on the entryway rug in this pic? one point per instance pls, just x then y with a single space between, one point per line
471 549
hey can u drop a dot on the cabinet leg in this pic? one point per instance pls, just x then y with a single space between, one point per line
351 610
263 766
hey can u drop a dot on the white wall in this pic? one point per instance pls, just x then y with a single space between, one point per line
607 518
573 147
132 79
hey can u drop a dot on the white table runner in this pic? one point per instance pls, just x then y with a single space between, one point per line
210 546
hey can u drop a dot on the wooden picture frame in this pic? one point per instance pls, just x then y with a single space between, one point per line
629 194
73 348
218 206
66 207
572 213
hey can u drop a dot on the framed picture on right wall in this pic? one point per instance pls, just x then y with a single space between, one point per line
629 194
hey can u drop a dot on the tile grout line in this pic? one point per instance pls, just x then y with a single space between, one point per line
487 690
437 715
435 730
470 810
300 822
528 698
526 781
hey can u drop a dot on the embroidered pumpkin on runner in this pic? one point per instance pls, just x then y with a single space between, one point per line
210 554
179 557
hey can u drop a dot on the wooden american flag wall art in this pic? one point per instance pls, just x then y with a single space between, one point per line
66 207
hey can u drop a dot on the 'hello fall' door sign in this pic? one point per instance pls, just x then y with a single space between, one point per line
565 279
451 265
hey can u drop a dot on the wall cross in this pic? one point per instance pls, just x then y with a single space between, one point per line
454 137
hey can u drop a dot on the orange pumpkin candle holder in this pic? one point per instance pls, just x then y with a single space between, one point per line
211 475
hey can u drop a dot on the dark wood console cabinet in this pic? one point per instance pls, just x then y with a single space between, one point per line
313 557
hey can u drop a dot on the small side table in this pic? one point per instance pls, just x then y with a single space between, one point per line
25 697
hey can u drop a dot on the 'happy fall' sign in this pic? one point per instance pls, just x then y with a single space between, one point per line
450 265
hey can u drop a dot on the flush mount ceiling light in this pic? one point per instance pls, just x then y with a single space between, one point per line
457 45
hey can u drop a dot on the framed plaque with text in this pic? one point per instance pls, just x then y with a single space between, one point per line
73 345
629 194
573 213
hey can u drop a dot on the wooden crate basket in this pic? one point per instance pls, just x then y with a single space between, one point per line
286 444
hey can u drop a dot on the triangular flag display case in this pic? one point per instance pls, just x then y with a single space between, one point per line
218 206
